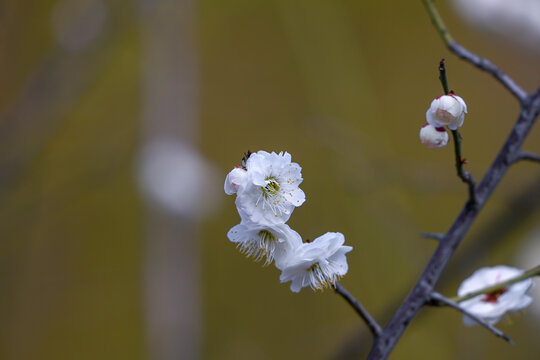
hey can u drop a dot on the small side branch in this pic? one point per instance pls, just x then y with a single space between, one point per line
524 155
463 53
374 327
434 236
536 94
440 300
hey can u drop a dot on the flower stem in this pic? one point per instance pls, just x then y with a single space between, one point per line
490 289
465 176
443 78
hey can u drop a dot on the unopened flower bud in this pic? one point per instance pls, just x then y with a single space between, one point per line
433 137
447 110
235 180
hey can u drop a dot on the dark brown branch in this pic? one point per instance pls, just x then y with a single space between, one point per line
421 293
492 234
447 246
373 326
440 300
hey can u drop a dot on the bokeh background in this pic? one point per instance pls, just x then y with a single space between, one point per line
120 119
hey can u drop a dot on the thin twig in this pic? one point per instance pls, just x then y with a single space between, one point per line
375 328
491 289
481 63
439 300
443 78
524 155
434 236
464 175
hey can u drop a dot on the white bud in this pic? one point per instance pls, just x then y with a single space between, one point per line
235 180
433 137
447 110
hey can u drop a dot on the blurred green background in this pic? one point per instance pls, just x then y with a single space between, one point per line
111 249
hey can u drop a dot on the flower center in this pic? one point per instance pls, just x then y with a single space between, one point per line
492 297
266 236
259 246
272 187
314 267
320 278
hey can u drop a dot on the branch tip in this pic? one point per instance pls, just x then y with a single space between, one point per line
434 236
437 299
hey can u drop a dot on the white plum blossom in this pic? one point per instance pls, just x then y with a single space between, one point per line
235 179
273 242
447 110
266 188
318 264
491 307
270 192
433 137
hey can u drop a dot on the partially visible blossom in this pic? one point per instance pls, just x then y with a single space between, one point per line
318 264
447 110
235 179
270 192
517 20
270 242
433 137
527 257
491 307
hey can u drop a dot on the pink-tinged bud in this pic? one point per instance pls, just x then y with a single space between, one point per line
433 137
447 110
235 180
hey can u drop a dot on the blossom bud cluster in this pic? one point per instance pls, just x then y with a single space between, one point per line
267 191
491 307
445 110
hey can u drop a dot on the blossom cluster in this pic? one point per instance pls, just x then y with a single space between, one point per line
445 110
267 191
492 306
